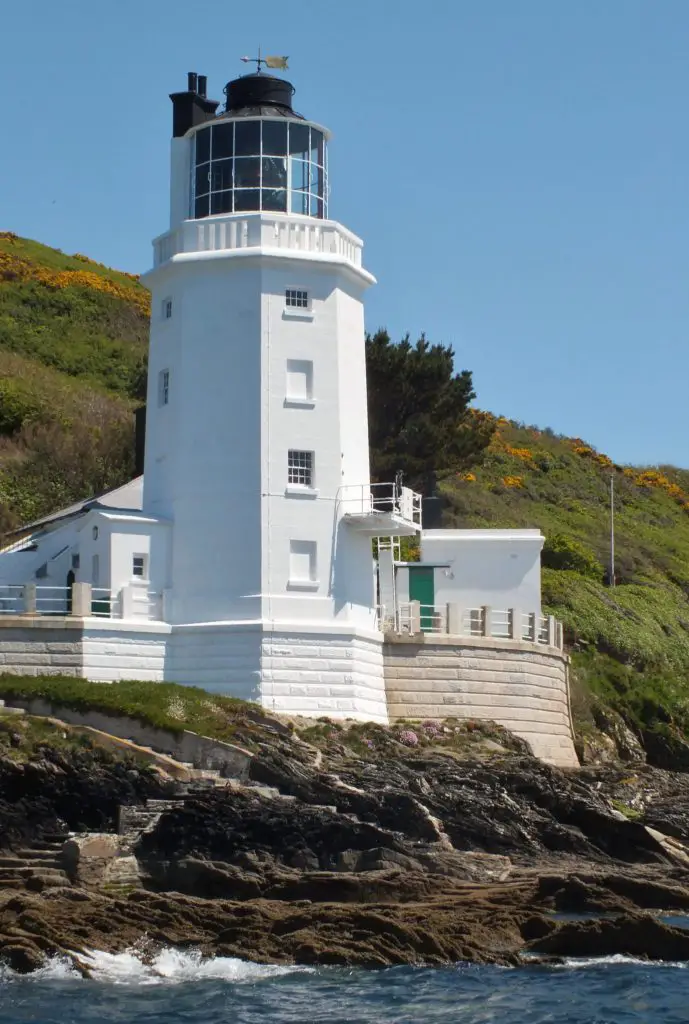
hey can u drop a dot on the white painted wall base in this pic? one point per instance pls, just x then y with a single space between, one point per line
319 671
335 674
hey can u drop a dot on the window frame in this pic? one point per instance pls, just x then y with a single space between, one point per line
298 300
141 557
301 468
163 387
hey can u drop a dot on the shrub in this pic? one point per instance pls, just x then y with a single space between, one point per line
562 552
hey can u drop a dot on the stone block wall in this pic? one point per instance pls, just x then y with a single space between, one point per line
332 674
518 685
41 646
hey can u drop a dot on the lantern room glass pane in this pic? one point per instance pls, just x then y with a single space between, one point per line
202 183
275 138
247 138
316 207
316 146
247 172
300 173
299 202
299 140
203 145
223 141
201 207
221 175
246 199
274 172
221 202
274 199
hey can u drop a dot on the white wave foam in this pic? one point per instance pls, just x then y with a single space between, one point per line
618 958
174 966
168 966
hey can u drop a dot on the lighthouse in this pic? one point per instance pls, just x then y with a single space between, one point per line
256 449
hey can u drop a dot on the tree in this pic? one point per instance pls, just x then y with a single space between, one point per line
419 418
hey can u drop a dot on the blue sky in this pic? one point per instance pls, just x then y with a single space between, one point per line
517 168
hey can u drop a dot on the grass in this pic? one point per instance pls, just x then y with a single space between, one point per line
162 705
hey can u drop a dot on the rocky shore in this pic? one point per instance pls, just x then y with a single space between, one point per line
345 848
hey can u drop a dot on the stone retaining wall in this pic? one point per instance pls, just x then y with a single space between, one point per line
521 687
188 747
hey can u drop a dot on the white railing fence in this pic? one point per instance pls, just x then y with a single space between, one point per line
452 620
81 600
380 499
11 599
53 600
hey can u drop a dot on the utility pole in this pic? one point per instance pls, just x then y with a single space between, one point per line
612 530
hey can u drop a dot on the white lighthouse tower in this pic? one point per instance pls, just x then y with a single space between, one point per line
256 431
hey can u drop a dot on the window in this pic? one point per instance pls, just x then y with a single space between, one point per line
95 570
299 385
164 387
302 561
300 468
75 561
259 164
167 309
297 298
139 565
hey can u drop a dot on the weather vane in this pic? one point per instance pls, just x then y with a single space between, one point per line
270 62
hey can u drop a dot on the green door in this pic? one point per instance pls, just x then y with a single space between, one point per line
422 589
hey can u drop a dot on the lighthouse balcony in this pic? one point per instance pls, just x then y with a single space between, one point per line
381 510
262 232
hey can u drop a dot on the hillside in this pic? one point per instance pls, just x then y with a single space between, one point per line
72 367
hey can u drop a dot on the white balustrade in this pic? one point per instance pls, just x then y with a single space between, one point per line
261 230
508 624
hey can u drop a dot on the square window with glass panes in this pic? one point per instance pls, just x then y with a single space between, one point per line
300 468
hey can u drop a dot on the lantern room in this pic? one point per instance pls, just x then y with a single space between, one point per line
256 155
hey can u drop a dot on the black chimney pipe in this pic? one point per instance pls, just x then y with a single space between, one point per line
192 79
203 84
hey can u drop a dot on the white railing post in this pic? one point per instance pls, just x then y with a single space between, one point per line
126 603
29 599
552 631
560 636
516 624
486 620
455 619
415 617
81 600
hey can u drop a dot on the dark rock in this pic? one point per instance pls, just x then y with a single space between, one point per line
627 745
638 935
21 958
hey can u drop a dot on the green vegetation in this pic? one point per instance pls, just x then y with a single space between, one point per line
419 419
164 706
72 365
372 742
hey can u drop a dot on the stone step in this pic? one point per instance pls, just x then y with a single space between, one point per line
38 852
26 871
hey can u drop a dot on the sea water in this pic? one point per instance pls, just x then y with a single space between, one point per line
183 988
